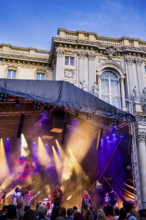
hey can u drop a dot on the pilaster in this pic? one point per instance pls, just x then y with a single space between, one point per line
59 63
141 140
123 94
91 68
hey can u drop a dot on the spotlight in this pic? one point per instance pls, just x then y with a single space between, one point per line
89 116
36 105
115 124
3 97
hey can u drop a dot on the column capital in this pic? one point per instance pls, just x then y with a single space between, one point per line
129 60
82 54
141 137
122 78
138 61
60 52
91 55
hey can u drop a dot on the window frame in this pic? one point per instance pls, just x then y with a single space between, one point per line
40 74
69 61
11 71
109 95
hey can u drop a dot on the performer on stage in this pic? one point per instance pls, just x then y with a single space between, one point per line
107 199
49 203
85 201
17 197
57 196
29 198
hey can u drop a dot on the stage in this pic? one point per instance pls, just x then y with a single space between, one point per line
43 144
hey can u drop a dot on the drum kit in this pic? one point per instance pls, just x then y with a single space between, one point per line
47 202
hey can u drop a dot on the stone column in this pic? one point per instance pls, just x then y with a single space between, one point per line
59 63
123 94
142 166
130 73
91 68
99 83
82 66
139 71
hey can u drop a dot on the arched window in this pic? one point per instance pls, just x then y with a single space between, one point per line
110 88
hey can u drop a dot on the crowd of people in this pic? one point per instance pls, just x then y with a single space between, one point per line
18 210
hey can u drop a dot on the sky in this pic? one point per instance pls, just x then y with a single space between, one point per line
33 23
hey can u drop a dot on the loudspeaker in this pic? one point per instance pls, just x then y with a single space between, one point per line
22 116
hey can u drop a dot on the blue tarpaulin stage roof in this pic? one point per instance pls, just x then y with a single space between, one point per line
63 94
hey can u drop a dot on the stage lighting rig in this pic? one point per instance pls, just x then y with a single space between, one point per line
3 97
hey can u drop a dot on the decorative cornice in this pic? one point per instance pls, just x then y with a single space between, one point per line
23 58
111 51
27 62
24 49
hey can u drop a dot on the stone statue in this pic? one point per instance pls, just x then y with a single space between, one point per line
83 85
143 99
135 94
95 89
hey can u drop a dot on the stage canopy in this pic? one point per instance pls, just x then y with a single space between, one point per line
63 94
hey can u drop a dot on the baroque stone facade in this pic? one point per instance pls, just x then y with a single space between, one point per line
113 69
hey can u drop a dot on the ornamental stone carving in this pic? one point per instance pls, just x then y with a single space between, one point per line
143 99
135 94
141 137
95 89
60 52
141 120
138 61
130 60
110 52
69 73
82 54
91 55
83 85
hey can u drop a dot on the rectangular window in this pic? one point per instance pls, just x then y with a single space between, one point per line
40 76
69 61
11 74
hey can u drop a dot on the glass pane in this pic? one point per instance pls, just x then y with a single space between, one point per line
105 74
14 74
104 86
112 75
109 75
40 76
114 87
11 74
66 60
105 98
116 101
72 61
